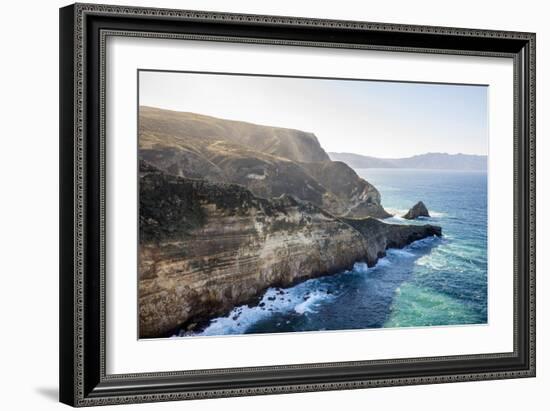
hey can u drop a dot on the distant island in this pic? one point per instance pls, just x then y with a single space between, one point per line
434 161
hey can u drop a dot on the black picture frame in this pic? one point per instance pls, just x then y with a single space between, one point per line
83 29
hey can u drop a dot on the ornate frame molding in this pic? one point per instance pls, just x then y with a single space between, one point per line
83 378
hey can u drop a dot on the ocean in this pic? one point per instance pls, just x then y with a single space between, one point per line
432 282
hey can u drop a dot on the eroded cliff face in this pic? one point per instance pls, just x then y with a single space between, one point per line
206 247
268 161
358 198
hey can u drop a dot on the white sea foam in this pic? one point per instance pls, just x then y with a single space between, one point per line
431 262
362 268
308 305
383 262
398 214
302 299
395 220
396 211
399 253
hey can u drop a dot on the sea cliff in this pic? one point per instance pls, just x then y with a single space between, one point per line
207 246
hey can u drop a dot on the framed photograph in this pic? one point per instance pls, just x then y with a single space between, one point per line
260 204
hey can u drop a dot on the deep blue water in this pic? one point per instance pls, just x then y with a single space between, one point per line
431 282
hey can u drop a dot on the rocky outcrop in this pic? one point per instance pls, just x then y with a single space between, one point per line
380 236
418 210
269 161
206 247
362 198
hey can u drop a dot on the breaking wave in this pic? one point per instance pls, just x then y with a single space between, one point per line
302 299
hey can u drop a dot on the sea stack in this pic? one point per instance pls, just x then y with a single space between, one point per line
418 210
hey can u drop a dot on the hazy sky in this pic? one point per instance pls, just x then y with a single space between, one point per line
375 118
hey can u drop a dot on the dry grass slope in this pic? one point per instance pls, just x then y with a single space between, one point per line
269 161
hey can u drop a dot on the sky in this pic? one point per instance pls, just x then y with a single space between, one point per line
374 118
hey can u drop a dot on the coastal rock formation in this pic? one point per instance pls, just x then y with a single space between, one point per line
268 161
362 198
381 236
206 247
418 210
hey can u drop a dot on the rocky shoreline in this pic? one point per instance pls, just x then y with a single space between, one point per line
206 247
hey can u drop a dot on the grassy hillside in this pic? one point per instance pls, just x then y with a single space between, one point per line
269 161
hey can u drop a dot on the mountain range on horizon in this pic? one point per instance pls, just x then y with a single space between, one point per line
433 161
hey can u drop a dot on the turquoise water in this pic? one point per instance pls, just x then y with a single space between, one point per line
447 285
431 282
